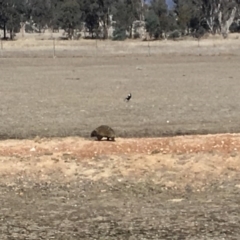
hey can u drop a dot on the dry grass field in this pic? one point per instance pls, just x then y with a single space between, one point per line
57 183
172 93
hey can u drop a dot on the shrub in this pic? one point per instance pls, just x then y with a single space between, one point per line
119 34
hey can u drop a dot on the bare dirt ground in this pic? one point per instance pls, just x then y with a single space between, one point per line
182 187
153 188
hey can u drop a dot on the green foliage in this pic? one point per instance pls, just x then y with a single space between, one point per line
119 34
157 18
188 16
184 11
152 24
91 17
40 12
174 35
10 16
200 32
104 10
69 16
234 27
124 15
96 12
160 9
172 22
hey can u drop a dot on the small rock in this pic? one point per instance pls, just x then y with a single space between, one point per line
33 149
48 153
37 139
55 159
155 151
176 200
233 154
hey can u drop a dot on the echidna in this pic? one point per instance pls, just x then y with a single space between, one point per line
103 131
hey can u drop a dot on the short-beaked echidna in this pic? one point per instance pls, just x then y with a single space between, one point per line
103 131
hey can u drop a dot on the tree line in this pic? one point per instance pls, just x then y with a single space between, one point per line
187 17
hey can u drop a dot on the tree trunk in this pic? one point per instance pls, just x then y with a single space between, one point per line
105 30
22 24
4 31
211 16
70 32
130 32
226 23
11 34
210 24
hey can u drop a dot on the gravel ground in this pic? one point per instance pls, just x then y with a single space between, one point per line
127 210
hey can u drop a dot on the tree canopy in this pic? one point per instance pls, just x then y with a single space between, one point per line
188 17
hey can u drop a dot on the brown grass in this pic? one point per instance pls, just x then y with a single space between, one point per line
41 45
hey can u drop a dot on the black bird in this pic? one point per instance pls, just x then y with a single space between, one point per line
128 97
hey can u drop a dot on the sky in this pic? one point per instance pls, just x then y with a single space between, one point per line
169 3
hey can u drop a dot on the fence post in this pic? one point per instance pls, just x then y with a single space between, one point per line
149 52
